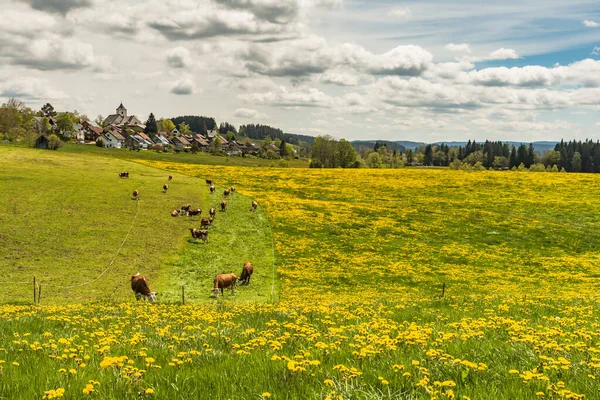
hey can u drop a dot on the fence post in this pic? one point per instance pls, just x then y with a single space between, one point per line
34 290
182 295
39 293
443 288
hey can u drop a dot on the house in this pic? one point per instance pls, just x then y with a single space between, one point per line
272 147
91 132
42 142
232 149
211 135
201 142
77 134
113 139
121 118
175 132
249 148
137 142
224 142
181 144
161 139
145 137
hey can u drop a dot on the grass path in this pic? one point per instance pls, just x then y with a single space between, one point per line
64 217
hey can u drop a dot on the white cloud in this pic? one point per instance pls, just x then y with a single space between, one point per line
250 114
184 86
179 57
340 77
29 88
591 24
401 12
503 54
464 47
286 98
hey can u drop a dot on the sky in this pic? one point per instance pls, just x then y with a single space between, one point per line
433 70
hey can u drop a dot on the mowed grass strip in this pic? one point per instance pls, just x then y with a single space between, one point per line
64 217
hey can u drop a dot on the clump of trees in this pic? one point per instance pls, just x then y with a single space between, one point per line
328 152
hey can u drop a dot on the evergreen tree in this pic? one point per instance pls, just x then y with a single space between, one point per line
151 127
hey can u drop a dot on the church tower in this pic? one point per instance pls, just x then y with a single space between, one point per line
122 111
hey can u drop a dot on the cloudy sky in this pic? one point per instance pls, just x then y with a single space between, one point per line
374 69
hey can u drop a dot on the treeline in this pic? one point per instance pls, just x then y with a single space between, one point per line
261 132
578 156
196 123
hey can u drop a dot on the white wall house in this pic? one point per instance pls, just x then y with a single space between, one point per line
114 140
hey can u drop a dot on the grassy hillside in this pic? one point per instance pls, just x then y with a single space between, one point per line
66 215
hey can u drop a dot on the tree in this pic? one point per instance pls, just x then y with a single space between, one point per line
268 140
45 126
184 128
195 148
577 162
215 146
54 142
167 125
64 123
500 162
345 155
151 127
282 149
428 155
100 121
551 157
230 136
374 160
410 156
48 111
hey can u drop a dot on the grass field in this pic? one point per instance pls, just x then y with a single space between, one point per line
361 256
65 217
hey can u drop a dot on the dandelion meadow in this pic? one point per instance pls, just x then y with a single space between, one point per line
361 257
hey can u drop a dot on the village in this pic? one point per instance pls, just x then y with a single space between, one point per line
124 131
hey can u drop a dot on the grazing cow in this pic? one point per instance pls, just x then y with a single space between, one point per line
223 281
206 222
246 274
175 213
254 205
186 207
136 194
212 212
124 174
232 189
192 213
170 177
223 206
165 188
212 189
199 234
139 285
226 192
209 182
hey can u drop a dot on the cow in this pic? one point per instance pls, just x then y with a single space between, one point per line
232 189
212 212
212 189
206 222
223 281
246 274
175 213
186 208
209 182
136 194
199 234
254 206
124 174
223 206
165 188
194 212
139 285
170 177
227 192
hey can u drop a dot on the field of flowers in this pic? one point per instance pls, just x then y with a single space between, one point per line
362 256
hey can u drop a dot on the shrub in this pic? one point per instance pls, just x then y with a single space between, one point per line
54 142
99 142
538 167
478 166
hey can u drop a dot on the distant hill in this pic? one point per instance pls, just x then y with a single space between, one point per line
371 143
539 147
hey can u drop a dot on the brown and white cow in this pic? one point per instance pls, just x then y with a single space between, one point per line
136 194
226 193
254 206
186 207
124 174
212 212
194 212
175 213
199 234
223 281
232 189
246 274
139 285
165 188
206 222
223 206
212 189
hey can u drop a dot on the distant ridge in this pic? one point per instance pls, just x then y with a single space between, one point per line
540 146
